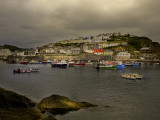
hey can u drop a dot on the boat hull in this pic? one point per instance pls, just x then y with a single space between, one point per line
107 67
59 65
79 64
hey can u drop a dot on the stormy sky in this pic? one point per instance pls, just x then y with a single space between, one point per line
32 23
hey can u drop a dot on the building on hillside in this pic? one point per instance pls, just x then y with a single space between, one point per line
29 53
97 40
108 44
136 55
98 51
148 53
49 51
108 52
119 49
123 56
73 51
89 48
5 52
62 51
19 53
72 41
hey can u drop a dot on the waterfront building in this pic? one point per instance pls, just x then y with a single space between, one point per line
123 56
5 52
148 53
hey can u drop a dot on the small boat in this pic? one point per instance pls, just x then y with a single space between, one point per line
20 70
121 66
62 64
33 62
107 67
71 64
133 76
128 64
89 63
34 70
79 64
24 62
136 64
47 62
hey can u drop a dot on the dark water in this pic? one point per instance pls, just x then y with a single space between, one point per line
127 99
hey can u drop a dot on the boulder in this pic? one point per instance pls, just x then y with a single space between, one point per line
17 107
57 104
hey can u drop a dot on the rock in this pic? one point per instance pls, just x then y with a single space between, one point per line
60 105
18 107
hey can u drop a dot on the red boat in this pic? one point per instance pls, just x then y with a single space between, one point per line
80 64
24 63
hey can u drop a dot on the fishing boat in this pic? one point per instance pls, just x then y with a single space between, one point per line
62 64
89 63
121 66
47 62
33 62
136 64
107 67
79 64
24 62
128 64
20 70
71 64
133 76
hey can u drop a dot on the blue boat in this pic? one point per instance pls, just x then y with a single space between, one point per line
136 64
121 66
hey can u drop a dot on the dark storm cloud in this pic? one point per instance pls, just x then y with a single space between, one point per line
30 23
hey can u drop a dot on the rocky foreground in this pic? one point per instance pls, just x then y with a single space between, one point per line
17 107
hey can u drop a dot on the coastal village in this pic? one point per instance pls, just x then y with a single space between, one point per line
104 46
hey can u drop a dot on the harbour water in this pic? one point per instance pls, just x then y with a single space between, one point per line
117 98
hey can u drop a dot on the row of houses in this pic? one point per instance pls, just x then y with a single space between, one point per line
92 39
119 53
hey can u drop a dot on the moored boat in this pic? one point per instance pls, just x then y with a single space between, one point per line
136 64
107 67
128 64
79 64
62 64
47 62
133 76
24 62
71 64
121 66
20 70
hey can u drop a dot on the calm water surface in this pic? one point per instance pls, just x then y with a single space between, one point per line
127 99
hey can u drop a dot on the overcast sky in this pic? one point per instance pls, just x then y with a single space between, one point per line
32 23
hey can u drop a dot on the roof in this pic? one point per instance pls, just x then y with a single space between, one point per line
145 48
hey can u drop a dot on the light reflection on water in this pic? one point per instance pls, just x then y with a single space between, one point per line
128 99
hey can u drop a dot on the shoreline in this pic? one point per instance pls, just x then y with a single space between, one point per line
16 107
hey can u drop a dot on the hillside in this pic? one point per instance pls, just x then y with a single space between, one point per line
12 48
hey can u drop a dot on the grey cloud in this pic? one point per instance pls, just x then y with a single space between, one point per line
28 23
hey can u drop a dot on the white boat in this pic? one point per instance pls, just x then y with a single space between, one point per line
62 64
71 63
133 76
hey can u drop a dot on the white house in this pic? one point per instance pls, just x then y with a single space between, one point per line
123 56
108 44
108 52
49 50
5 52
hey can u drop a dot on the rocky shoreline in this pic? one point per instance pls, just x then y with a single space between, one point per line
17 107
